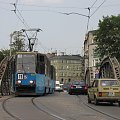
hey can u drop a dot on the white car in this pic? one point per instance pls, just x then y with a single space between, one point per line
58 88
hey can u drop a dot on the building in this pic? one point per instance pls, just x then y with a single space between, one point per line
68 67
91 59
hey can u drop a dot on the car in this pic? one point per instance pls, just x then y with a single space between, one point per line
77 87
65 87
104 90
58 87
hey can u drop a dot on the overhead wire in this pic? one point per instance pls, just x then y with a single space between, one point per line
98 8
72 7
89 8
21 18
93 4
89 13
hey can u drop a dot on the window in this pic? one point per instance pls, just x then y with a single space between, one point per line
109 83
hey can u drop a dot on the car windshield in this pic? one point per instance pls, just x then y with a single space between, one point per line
109 83
81 83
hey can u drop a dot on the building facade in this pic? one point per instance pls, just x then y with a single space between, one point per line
91 59
68 67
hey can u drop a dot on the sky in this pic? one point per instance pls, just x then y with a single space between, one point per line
60 32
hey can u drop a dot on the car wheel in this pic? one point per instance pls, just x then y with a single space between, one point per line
95 101
89 101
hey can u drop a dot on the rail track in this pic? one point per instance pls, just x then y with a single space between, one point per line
7 111
99 111
41 108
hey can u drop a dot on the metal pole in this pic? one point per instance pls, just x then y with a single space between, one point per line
11 44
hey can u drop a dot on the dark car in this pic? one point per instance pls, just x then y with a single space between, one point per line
77 87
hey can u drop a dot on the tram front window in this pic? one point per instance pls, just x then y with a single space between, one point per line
25 63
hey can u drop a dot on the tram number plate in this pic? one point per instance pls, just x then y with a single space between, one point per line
111 94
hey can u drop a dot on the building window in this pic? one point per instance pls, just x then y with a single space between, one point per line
62 80
69 80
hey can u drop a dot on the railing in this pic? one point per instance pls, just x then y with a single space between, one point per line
5 76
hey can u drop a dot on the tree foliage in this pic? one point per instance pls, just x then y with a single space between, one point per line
108 37
18 43
4 53
1 56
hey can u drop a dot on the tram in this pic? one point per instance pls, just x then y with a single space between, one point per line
34 74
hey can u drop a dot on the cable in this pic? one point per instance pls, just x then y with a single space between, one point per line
97 8
74 13
93 4
51 7
24 22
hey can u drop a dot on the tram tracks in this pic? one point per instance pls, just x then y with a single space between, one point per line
99 111
43 109
7 111
39 107
46 110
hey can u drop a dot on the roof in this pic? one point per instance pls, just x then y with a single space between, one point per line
68 57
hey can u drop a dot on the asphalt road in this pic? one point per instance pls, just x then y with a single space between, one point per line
57 106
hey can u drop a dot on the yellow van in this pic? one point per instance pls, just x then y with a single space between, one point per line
104 90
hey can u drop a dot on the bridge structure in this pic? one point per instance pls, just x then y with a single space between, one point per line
109 68
6 72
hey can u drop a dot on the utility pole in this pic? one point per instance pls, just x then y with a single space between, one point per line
11 35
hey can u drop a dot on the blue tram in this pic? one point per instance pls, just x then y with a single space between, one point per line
34 74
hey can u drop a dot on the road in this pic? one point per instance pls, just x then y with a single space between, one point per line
57 106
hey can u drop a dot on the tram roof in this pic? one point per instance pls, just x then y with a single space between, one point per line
25 52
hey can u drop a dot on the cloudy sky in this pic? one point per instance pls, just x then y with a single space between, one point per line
64 33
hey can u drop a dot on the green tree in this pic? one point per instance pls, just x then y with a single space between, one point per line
108 37
18 43
1 56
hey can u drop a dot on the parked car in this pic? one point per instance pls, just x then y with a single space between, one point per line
77 87
65 87
58 87
104 90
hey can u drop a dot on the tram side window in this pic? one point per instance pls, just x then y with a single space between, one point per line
40 68
41 58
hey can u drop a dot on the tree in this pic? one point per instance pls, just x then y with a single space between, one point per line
18 43
108 37
1 56
4 53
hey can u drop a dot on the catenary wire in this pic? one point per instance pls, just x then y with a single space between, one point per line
98 8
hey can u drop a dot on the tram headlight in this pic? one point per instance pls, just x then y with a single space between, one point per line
19 81
31 81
